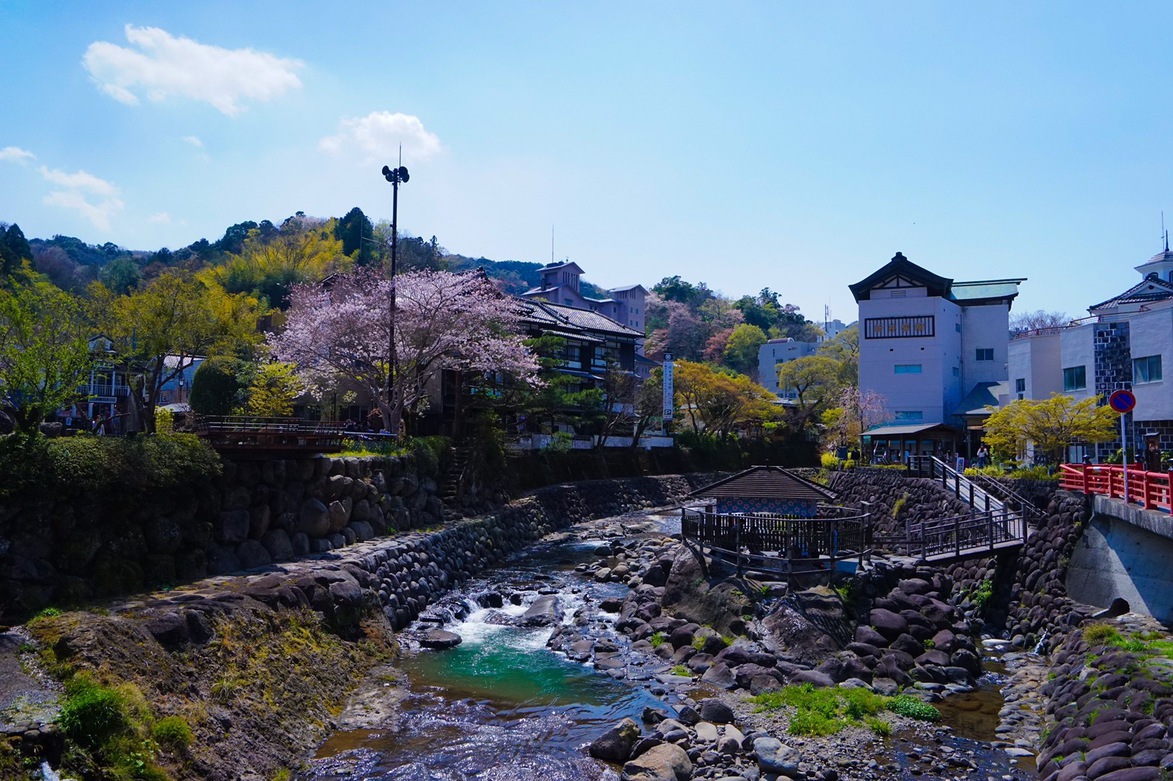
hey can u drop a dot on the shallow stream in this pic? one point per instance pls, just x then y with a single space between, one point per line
502 707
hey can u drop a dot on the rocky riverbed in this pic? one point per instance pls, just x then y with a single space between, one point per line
620 605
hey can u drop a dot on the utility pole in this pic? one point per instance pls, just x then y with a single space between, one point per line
395 176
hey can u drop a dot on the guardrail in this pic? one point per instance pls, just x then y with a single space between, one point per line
1151 490
780 546
957 536
252 434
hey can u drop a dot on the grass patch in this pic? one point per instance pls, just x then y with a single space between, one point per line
907 705
680 669
824 711
657 639
172 732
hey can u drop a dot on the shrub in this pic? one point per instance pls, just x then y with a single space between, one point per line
907 705
829 462
92 714
172 732
899 505
657 639
1098 634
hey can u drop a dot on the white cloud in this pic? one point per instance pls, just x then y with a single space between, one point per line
194 141
163 66
95 199
16 155
377 137
162 218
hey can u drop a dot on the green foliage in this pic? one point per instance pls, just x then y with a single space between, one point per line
274 388
681 670
92 714
878 726
1039 472
829 462
822 711
172 732
84 464
44 349
657 639
907 705
214 388
982 594
430 454
899 505
164 421
1050 424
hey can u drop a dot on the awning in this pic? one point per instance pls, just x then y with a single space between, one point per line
894 432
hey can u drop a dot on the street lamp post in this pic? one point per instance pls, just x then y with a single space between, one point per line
395 176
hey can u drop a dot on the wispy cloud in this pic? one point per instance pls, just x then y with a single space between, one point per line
15 154
194 141
94 198
161 66
378 135
162 218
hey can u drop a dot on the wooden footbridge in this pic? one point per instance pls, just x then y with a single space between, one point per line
781 547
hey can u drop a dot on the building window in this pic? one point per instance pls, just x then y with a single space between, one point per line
1075 378
898 327
956 372
1147 369
985 353
1020 387
908 368
910 415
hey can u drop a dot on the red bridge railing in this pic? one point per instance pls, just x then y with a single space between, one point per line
1151 490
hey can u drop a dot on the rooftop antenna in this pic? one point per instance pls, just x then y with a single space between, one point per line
1164 232
552 237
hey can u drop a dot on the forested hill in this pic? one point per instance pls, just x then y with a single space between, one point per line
266 260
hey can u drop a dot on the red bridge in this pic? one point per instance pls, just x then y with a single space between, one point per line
1150 490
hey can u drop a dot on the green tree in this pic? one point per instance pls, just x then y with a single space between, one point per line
357 234
275 387
157 330
1050 425
843 348
121 275
816 381
14 249
44 350
719 403
741 351
214 388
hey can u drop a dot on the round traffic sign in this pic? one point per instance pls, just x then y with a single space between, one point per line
1122 401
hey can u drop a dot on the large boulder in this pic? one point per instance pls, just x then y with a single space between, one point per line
665 762
615 744
808 626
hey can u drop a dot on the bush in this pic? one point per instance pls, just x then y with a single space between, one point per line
907 705
172 732
829 461
92 714
85 464
430 454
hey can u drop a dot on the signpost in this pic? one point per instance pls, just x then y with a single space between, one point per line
669 391
1123 402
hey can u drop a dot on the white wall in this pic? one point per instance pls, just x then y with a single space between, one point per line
1036 360
984 327
1151 333
1077 349
936 391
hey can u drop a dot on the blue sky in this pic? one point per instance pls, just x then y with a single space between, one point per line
795 146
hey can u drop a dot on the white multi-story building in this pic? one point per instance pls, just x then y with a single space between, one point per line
776 352
935 349
1124 344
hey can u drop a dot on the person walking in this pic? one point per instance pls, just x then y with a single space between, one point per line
983 457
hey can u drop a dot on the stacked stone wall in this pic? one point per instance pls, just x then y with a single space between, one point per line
71 549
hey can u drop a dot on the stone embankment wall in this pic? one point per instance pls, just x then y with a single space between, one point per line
75 548
894 500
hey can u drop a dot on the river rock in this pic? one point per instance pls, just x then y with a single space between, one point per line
774 756
664 762
615 744
545 611
440 638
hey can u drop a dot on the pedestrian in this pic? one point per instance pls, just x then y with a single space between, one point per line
983 457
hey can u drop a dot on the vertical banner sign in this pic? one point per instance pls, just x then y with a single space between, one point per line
669 391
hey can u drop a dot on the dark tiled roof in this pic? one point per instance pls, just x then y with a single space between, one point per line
567 317
1150 289
765 482
962 292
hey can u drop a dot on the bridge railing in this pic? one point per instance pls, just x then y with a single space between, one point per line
779 545
1151 490
958 535
249 433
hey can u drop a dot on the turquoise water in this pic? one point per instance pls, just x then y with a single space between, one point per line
500 706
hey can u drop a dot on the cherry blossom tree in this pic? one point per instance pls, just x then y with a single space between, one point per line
342 330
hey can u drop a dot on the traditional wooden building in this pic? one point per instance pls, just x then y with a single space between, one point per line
765 489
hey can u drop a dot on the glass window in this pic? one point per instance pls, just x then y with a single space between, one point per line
1075 378
908 368
1147 369
985 353
1020 387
